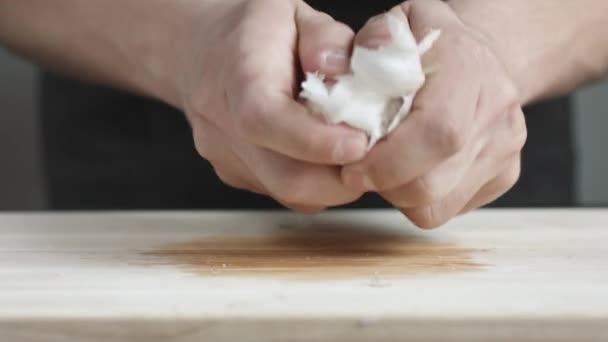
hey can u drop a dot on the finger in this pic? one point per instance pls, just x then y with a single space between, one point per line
445 117
425 15
375 33
499 160
276 122
238 182
260 95
294 182
437 183
440 181
440 212
324 44
211 144
232 171
438 127
303 209
256 187
515 133
494 189
435 131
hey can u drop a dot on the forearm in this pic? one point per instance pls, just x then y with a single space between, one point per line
125 44
549 47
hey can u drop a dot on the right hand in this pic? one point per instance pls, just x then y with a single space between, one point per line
236 86
460 147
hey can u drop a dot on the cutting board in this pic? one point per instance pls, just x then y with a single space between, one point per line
512 275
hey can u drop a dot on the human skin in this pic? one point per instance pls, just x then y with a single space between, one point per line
460 148
231 66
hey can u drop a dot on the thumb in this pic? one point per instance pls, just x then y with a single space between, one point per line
376 32
324 44
421 15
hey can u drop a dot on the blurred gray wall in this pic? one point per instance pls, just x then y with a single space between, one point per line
20 184
592 143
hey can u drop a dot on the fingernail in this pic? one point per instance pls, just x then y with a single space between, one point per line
335 60
350 150
359 181
375 34
377 42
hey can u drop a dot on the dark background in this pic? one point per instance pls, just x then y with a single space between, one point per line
21 187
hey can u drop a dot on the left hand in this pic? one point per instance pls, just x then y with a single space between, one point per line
460 147
235 85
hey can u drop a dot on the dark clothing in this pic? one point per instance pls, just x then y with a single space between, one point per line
106 149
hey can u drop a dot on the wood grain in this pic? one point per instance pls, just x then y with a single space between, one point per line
322 252
530 275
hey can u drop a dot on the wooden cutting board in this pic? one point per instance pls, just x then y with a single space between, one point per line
534 275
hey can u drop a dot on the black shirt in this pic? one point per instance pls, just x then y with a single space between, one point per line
107 149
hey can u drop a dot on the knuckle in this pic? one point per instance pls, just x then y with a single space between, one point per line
517 125
296 189
321 146
448 136
519 121
481 53
342 29
509 178
466 49
197 103
301 188
253 116
245 20
510 93
521 139
426 217
249 68
292 195
228 179
383 176
201 146
325 27
322 17
424 190
427 189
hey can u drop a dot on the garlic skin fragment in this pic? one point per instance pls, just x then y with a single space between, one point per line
378 93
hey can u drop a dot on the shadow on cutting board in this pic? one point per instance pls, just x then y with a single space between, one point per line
323 250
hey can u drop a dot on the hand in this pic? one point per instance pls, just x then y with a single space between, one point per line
460 147
237 83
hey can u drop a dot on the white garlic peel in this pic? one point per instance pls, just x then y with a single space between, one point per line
378 93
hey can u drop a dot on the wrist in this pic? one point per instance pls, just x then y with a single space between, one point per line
159 50
490 20
167 47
